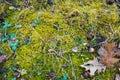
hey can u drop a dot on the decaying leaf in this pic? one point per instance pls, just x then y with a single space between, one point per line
107 53
3 58
117 77
51 50
16 74
52 75
94 65
86 74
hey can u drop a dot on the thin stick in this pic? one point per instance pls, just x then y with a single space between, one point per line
72 68
111 29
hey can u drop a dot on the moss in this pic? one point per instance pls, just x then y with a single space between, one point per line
74 21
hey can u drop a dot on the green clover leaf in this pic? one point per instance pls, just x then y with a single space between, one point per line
14 78
36 21
23 72
65 77
6 25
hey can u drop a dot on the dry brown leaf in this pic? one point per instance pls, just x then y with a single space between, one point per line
118 52
107 54
109 47
3 58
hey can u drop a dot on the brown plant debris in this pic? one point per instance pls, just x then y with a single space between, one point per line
107 53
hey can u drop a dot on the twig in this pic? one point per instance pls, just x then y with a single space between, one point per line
73 72
53 63
111 29
7 2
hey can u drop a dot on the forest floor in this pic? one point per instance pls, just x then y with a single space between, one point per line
45 45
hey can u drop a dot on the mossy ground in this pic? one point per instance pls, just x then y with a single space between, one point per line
74 21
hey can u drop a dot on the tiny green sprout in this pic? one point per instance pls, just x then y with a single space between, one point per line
14 44
5 76
13 68
23 72
1 51
6 25
36 21
39 73
58 78
4 38
12 35
91 27
56 25
80 42
14 78
18 26
65 77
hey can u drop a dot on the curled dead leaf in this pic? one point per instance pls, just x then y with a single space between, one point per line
107 54
94 65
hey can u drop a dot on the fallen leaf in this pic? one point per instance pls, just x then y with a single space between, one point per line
86 74
117 77
16 74
107 53
94 66
3 58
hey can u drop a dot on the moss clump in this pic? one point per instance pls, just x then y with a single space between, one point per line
60 31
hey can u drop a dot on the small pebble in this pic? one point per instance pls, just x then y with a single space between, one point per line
91 50
52 74
85 44
33 25
75 49
51 50
90 36
12 8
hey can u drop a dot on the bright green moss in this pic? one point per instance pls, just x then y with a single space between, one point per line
73 22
